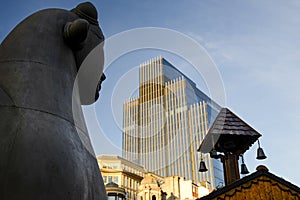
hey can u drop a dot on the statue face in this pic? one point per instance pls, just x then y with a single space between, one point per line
86 39
93 38
90 61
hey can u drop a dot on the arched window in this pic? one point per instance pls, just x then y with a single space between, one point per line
153 197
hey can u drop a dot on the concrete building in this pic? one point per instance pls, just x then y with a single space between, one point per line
165 124
126 179
126 174
170 188
114 192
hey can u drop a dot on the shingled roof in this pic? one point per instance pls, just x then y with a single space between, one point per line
259 185
229 133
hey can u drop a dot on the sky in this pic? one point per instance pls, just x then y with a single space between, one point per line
254 46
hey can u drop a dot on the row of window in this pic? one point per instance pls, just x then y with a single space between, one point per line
111 165
109 179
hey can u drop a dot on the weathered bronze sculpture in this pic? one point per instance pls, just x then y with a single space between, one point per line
44 153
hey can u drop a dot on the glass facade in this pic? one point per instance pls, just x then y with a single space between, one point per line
164 126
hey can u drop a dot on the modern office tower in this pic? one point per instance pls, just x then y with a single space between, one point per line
165 124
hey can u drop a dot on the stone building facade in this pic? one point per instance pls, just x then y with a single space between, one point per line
169 188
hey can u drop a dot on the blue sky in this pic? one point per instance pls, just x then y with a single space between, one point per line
254 44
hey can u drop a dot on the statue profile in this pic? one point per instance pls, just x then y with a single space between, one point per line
45 152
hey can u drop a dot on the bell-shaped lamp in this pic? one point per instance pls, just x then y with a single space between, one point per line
202 167
244 169
260 153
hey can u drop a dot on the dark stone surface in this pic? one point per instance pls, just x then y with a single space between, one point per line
44 153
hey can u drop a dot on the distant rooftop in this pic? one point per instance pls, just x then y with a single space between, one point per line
110 158
259 185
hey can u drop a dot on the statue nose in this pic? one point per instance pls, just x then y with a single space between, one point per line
102 78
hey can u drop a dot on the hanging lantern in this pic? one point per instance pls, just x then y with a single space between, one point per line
202 167
244 169
260 153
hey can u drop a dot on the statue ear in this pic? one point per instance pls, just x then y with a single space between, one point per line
76 32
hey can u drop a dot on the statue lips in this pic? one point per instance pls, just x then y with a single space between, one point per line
45 150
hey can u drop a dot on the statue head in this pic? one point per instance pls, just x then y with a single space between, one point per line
84 35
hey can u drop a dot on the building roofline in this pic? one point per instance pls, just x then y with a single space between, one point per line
116 157
261 171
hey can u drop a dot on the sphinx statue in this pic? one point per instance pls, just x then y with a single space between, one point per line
45 152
